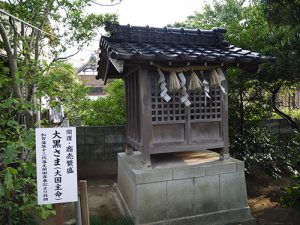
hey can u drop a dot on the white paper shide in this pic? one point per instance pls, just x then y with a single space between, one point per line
56 165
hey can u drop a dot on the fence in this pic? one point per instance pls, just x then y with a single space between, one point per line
278 126
289 100
97 149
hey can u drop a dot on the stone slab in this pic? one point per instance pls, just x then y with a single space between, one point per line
188 172
180 198
233 191
240 166
207 196
151 201
127 187
210 192
214 168
152 176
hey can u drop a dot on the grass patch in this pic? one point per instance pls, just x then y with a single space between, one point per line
109 221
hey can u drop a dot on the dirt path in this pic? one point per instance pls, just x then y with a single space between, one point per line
264 195
100 199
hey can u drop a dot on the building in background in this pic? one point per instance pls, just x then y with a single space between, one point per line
289 98
87 73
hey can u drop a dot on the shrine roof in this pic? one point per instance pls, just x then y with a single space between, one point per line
133 43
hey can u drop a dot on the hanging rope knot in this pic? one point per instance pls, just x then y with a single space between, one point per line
184 99
195 83
206 90
163 86
174 84
216 78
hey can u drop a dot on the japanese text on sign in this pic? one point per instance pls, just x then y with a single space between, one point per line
56 165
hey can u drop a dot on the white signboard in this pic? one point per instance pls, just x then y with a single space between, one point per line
56 165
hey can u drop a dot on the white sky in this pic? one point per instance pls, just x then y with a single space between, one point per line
155 13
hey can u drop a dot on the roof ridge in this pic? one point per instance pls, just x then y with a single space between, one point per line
181 46
113 28
147 34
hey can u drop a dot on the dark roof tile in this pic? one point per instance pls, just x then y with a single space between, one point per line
173 44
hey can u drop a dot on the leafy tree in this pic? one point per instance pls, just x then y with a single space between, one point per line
252 96
247 28
284 43
286 69
62 86
27 75
17 170
287 10
109 110
255 25
25 46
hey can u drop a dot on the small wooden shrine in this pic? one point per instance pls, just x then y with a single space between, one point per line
176 85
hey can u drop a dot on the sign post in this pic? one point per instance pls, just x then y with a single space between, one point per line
56 164
59 216
84 202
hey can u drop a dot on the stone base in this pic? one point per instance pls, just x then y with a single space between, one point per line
191 188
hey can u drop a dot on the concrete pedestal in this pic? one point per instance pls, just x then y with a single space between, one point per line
189 188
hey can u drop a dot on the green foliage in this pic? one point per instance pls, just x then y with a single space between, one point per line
287 10
17 171
24 79
109 110
17 194
295 113
250 94
62 86
73 24
18 203
257 147
291 196
247 100
105 221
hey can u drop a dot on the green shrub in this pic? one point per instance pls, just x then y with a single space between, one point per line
295 113
18 197
109 110
105 221
257 147
291 196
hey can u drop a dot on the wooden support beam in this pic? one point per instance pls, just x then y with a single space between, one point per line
145 111
225 151
118 64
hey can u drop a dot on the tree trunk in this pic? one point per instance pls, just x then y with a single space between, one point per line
13 66
293 123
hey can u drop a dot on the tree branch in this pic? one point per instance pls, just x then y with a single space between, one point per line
22 29
112 4
13 66
290 120
65 58
6 43
15 42
12 58
36 46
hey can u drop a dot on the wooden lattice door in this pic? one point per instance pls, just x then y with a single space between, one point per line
179 127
